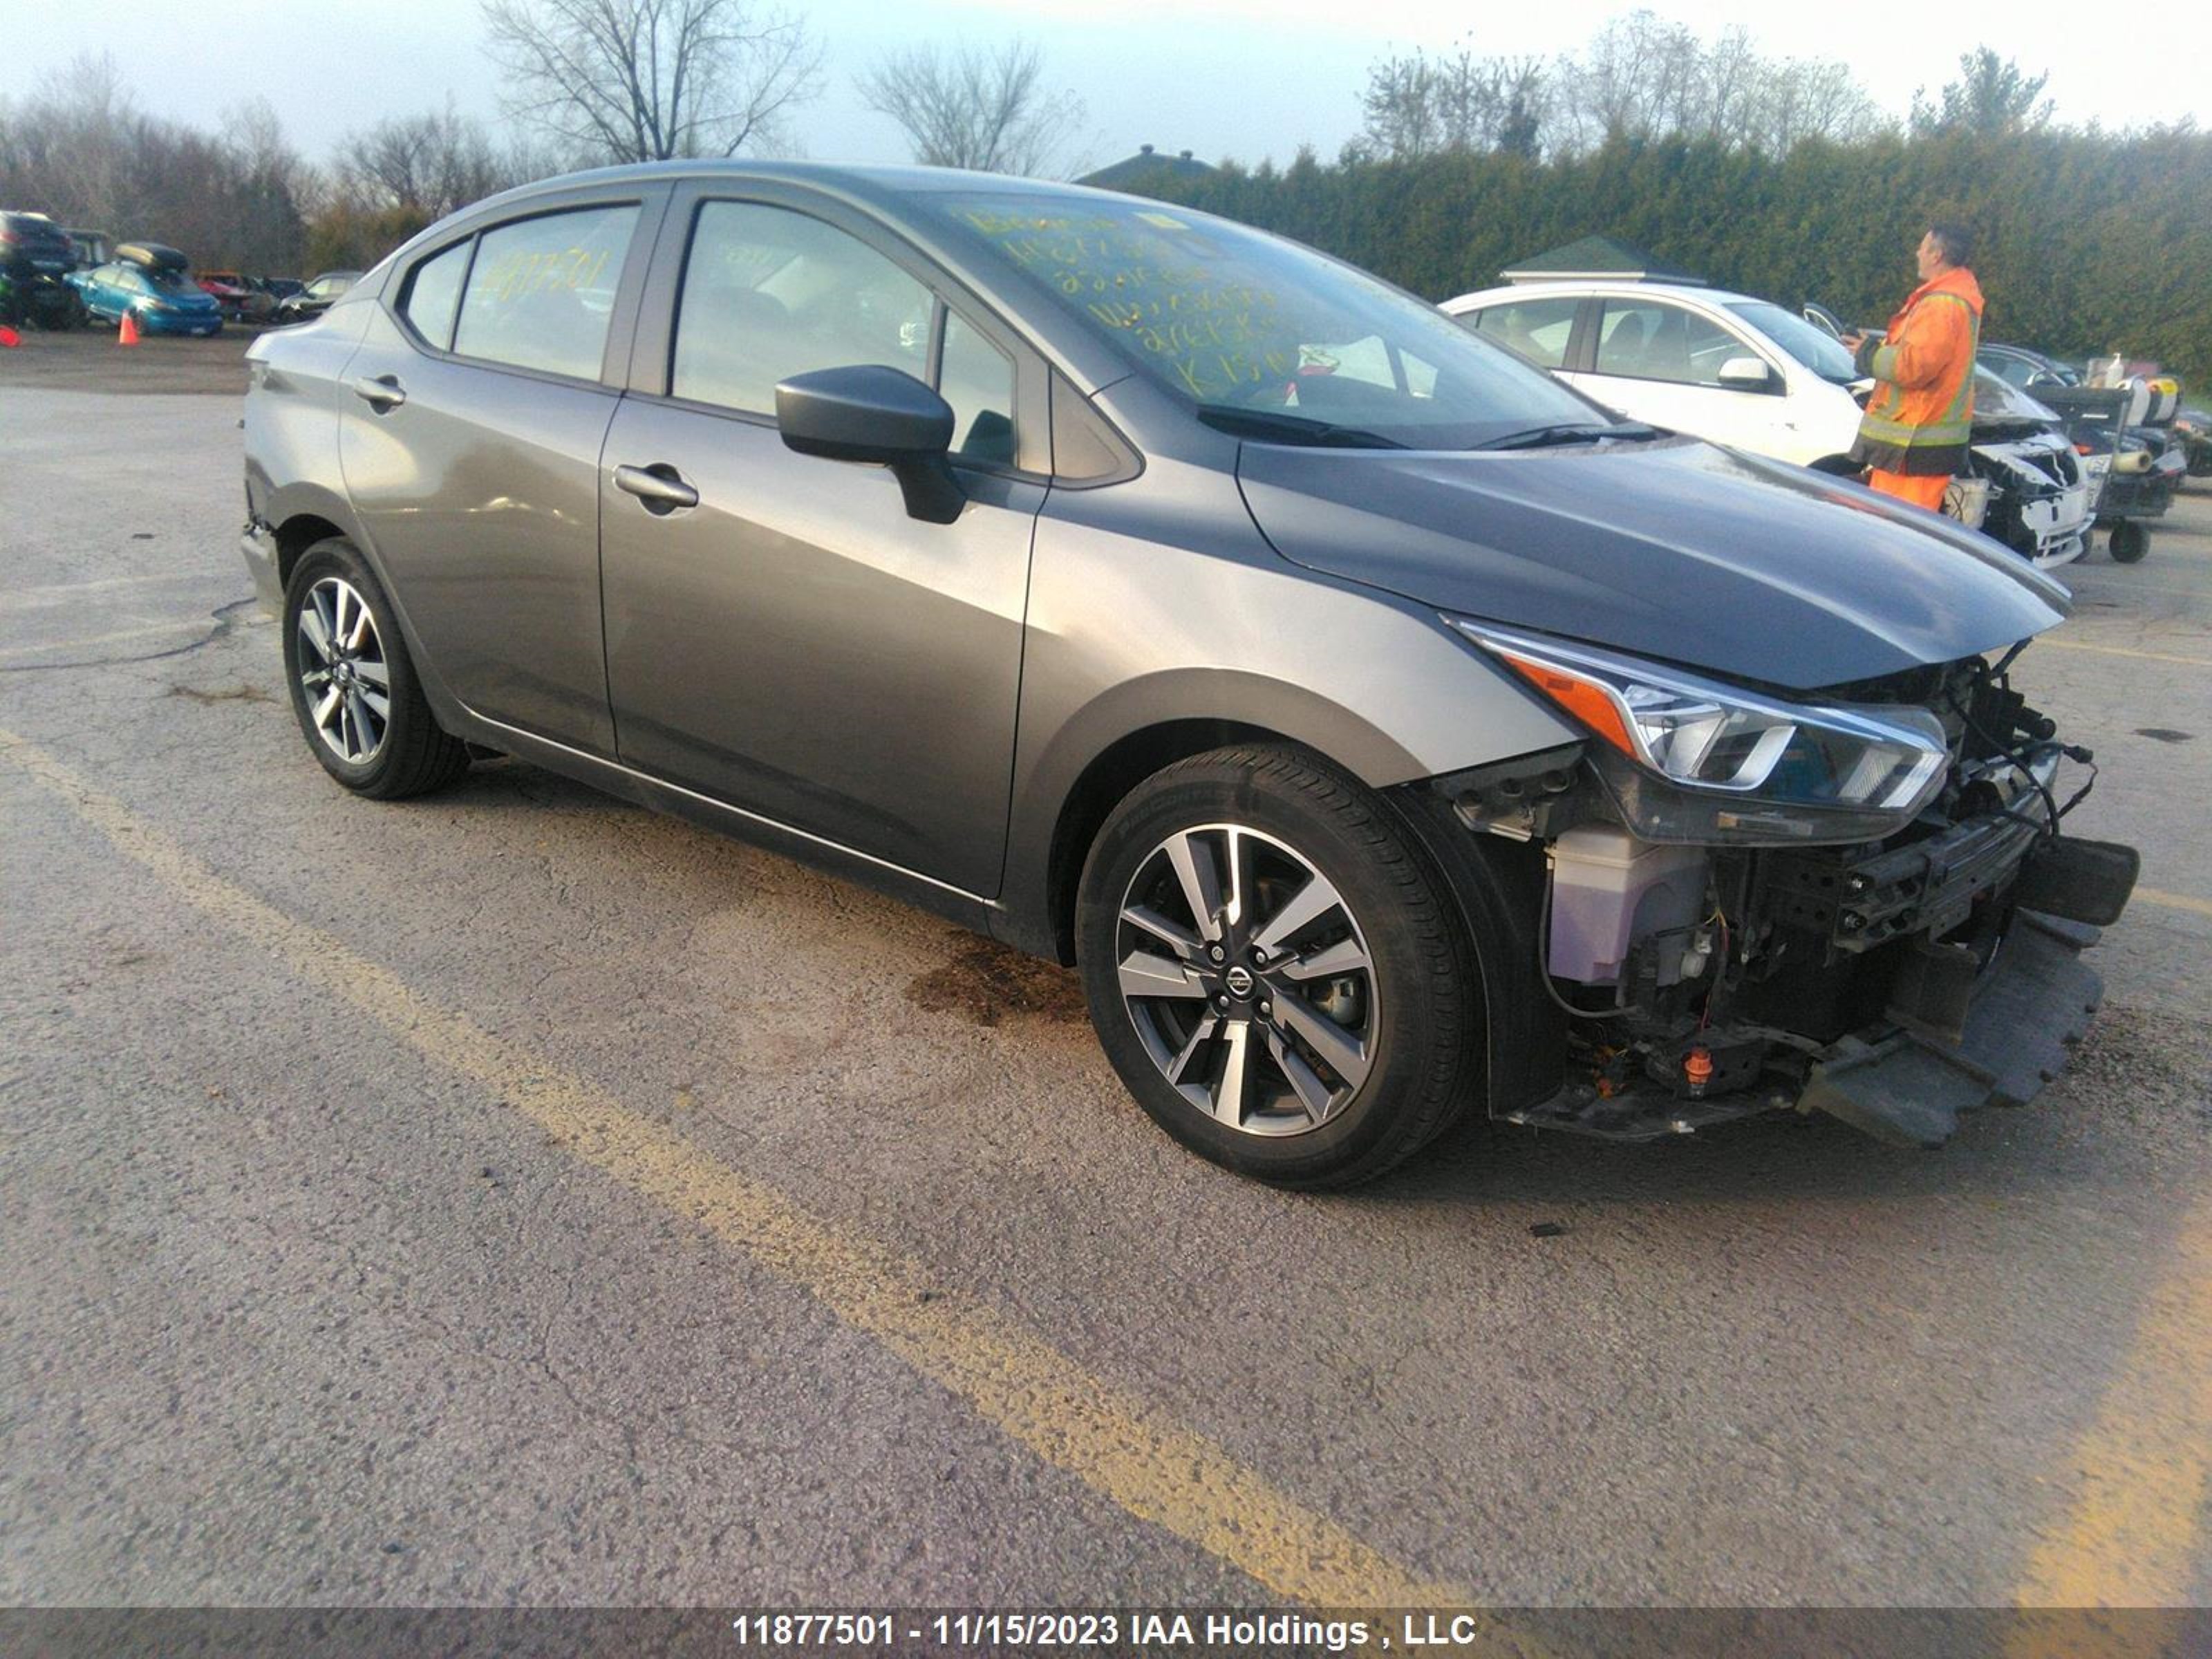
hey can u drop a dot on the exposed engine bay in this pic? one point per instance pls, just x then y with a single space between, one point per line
1892 982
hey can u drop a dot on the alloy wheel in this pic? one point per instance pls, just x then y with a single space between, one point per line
1247 979
343 673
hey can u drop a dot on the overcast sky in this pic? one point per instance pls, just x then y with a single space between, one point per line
1243 78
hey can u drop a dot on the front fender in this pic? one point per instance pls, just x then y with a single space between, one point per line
1129 632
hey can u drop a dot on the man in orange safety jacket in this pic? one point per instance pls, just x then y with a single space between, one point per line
1914 435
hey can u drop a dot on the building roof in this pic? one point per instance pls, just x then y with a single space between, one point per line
1147 163
1598 257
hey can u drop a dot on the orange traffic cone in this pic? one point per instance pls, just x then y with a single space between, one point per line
8 337
128 334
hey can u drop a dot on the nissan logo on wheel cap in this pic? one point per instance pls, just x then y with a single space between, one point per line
1239 981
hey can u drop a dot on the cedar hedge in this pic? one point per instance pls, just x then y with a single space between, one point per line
2089 242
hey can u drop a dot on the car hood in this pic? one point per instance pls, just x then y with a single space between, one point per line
1675 549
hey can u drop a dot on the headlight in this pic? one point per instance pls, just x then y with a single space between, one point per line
1734 765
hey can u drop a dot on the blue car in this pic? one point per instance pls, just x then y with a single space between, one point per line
153 285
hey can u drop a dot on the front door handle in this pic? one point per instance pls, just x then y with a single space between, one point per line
660 487
380 394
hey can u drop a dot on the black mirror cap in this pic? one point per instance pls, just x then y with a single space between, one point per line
870 412
867 412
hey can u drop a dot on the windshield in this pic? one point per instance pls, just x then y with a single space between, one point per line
1261 335
1994 399
1815 348
170 281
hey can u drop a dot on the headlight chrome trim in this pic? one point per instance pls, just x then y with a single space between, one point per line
1734 747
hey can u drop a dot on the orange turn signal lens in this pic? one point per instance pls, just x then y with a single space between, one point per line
1587 700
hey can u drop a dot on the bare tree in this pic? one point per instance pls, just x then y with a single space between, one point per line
86 129
1640 77
1420 105
1800 99
80 148
989 111
648 79
429 164
1403 105
273 188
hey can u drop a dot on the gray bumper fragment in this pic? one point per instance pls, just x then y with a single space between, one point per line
1909 1088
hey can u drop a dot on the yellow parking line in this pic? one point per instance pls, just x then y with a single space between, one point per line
2123 651
2175 901
1117 1444
2142 1470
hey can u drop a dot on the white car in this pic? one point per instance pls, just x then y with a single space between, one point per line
1742 371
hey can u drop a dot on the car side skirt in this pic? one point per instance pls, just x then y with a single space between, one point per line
968 909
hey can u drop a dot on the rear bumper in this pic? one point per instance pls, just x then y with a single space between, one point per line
259 546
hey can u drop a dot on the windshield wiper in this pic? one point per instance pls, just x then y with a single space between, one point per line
1572 432
1291 428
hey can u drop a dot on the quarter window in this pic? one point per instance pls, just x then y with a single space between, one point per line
541 291
1651 340
768 292
433 295
977 380
1537 329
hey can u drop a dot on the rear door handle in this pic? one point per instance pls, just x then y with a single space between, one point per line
660 487
381 393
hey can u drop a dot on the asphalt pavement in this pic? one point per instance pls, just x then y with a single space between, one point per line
512 1196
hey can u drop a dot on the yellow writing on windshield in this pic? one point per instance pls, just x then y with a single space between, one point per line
1211 331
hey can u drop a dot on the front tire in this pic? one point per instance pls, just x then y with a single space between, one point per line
1273 967
355 691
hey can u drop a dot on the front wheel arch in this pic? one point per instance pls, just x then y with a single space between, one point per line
1112 774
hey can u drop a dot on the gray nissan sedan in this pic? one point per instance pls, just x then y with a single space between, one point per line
1384 730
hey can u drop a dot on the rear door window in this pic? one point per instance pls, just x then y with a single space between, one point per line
1652 340
1537 328
541 293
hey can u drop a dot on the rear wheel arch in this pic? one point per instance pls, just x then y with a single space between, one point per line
296 536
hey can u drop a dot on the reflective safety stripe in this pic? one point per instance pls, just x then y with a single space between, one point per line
1887 431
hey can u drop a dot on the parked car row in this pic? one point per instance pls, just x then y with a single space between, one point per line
58 278
1743 371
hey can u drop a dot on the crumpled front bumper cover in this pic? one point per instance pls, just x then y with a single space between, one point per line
1909 1088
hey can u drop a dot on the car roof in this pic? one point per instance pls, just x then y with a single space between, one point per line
878 182
1583 286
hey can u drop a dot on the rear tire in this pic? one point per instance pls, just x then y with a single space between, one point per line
1276 969
358 700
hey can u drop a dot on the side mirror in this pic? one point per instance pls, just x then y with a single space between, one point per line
1745 374
873 413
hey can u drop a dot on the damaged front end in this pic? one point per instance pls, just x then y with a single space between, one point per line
1858 902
